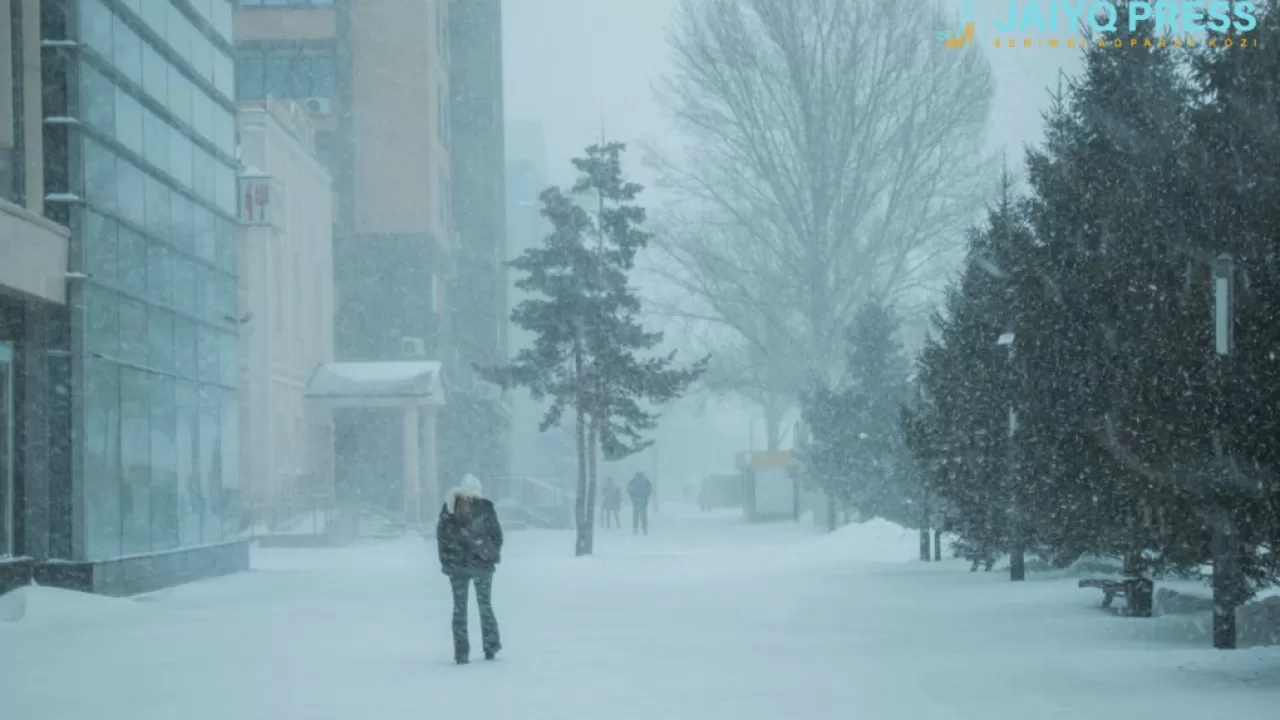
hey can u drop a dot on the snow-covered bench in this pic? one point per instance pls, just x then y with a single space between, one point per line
1136 591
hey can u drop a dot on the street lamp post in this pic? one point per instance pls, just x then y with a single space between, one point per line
1017 553
1226 577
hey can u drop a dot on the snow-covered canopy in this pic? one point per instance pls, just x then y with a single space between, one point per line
366 383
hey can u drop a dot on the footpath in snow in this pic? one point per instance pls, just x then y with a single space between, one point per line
706 618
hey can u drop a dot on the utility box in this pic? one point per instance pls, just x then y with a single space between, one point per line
769 492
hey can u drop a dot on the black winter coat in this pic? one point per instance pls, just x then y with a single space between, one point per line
472 547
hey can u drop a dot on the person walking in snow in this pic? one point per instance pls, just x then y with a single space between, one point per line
639 489
470 542
611 504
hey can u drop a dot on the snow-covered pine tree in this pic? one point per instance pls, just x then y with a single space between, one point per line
1235 163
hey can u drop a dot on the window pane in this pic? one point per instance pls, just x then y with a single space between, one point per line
160 276
226 188
230 499
184 288
190 500
128 51
101 319
211 461
95 27
180 153
224 74
102 458
184 347
202 114
181 221
155 140
98 98
99 175
228 299
204 233
202 170
101 256
133 262
179 33
132 191
154 14
222 19
134 346
322 71
128 121
210 354
158 203
249 70
180 91
155 74
164 465
135 460
227 237
202 56
160 338
224 131
134 5
277 73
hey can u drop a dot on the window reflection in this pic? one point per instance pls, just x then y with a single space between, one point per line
211 461
133 261
155 74
127 55
158 203
97 98
99 175
180 151
102 459
184 347
160 337
165 523
134 346
95 27
101 256
135 460
102 321
128 121
209 354
156 140
190 500
132 192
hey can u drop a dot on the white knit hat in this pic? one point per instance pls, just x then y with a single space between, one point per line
470 488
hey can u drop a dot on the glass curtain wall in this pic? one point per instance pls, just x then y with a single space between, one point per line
158 231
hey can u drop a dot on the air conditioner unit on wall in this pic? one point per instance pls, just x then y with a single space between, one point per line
413 347
319 106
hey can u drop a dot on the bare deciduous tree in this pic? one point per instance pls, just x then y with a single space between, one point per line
834 150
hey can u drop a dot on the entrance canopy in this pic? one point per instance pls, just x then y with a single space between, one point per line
374 384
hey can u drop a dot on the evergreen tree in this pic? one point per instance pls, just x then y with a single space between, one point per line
584 315
856 456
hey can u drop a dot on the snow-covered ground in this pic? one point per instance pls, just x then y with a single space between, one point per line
706 618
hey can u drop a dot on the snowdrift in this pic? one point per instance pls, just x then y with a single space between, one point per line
39 605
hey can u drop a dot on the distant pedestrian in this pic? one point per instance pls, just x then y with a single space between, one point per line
639 489
611 504
470 541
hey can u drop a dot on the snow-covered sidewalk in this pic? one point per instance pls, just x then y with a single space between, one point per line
707 618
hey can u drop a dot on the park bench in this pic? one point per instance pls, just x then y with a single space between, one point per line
1136 591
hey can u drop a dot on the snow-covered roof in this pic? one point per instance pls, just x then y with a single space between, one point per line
378 381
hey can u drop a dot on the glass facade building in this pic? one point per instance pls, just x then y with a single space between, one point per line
151 196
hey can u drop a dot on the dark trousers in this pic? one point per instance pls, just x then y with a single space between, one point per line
610 515
488 621
640 517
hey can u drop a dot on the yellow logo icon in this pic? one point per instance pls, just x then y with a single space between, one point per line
955 43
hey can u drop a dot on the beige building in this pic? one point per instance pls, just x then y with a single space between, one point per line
286 313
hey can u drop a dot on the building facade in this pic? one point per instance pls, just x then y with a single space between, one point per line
140 485
481 414
33 314
286 314
377 77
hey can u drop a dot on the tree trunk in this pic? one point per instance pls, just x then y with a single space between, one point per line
924 544
831 513
581 527
773 413
937 545
593 439
924 526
